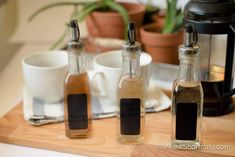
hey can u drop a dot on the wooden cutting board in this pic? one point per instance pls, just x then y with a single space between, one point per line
14 130
146 150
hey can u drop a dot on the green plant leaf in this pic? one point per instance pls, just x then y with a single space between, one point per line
60 40
168 13
68 2
89 6
87 9
174 18
179 20
122 11
168 23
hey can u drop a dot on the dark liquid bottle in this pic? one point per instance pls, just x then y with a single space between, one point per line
77 97
187 98
131 95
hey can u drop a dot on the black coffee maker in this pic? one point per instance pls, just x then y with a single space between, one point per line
214 21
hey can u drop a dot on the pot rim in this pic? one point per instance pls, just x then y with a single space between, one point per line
159 39
154 34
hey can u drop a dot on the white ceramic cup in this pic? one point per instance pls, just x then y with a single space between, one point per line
44 74
107 71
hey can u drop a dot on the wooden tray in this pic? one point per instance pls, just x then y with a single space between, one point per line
14 130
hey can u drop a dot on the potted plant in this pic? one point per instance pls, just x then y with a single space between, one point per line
107 21
104 18
162 41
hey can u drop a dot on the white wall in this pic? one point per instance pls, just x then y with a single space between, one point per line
8 22
46 27
160 3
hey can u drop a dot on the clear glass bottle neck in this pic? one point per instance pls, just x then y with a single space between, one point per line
189 69
76 61
131 66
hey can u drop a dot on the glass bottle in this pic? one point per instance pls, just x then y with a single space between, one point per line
77 97
187 96
131 93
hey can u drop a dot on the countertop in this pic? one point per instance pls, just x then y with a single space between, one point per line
218 138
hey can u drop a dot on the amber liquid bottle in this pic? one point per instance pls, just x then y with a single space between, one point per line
77 97
131 95
187 98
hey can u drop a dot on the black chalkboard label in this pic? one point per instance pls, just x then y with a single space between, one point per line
77 111
186 121
130 116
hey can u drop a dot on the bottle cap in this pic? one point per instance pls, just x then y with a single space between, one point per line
189 48
75 41
131 46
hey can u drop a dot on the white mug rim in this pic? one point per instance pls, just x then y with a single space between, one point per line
24 63
117 68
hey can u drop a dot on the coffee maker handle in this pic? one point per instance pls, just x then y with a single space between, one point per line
229 94
231 45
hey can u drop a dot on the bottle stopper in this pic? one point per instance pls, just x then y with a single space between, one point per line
131 46
131 32
75 36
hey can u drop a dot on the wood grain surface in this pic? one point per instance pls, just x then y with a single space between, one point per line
103 143
146 150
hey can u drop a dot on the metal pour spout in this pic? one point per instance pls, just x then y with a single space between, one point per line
75 30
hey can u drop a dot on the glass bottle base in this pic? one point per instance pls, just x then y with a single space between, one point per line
78 133
183 144
130 139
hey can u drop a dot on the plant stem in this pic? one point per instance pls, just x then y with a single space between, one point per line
60 39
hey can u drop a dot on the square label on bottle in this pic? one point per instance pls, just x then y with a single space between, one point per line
186 121
77 111
130 116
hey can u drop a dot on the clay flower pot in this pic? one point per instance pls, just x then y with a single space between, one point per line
162 47
160 17
110 24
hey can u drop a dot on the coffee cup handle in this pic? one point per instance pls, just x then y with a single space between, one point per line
94 87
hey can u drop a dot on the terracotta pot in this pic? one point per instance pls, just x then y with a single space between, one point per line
160 17
110 24
162 47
